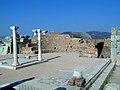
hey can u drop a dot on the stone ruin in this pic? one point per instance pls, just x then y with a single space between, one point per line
7 46
115 45
56 42
103 46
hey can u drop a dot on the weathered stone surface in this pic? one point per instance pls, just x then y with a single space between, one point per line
118 38
113 50
71 82
118 59
118 32
118 46
112 86
114 31
34 39
115 45
106 47
54 42
27 50
3 50
105 52
113 38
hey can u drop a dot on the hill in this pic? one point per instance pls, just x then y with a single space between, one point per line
79 35
89 35
99 35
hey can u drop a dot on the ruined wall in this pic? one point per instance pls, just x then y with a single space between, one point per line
28 48
107 42
105 52
54 42
3 50
115 45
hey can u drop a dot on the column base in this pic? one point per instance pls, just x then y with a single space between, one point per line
40 59
14 64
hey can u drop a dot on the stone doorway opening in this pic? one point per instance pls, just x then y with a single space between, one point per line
99 46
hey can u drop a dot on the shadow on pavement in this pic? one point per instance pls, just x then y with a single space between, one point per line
10 86
53 58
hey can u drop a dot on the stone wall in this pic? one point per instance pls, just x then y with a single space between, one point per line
55 42
115 45
28 48
105 53
3 50
107 42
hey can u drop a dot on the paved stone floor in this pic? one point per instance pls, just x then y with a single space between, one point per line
58 64
115 77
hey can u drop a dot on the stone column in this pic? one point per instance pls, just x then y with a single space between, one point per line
35 32
44 32
15 62
39 45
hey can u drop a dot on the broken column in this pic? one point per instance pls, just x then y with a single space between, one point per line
14 29
44 32
39 45
35 32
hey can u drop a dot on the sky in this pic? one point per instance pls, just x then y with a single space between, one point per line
59 15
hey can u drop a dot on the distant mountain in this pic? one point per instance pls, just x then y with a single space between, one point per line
78 35
67 33
99 35
89 35
2 36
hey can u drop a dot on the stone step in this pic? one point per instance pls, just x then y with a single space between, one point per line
94 73
101 80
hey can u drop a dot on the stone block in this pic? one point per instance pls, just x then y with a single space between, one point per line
113 50
113 45
3 50
118 46
114 31
80 82
71 82
118 38
113 38
3 62
118 31
111 86
54 33
118 59
27 50
113 57
28 57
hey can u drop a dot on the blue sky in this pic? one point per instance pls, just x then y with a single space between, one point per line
59 15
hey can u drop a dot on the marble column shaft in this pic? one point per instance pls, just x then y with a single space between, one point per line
39 45
15 62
